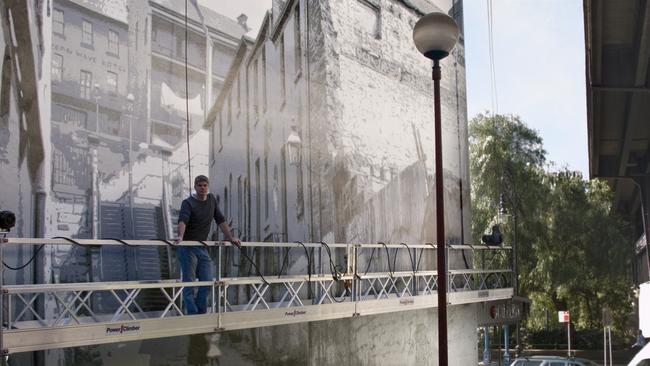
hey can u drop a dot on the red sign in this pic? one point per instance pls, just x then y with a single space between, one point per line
563 316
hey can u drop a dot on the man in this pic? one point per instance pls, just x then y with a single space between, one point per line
194 222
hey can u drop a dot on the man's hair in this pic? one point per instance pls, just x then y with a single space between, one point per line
200 178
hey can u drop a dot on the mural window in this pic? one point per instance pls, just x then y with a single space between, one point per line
367 19
300 205
264 97
225 202
283 86
68 115
255 92
229 215
57 67
4 88
58 25
239 204
266 187
220 132
297 40
456 12
111 81
229 122
87 33
113 42
85 84
238 94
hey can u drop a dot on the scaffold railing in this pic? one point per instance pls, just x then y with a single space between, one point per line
316 281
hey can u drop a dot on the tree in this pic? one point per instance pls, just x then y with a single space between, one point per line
582 264
506 169
572 249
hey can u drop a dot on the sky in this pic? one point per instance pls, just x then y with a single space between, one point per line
539 59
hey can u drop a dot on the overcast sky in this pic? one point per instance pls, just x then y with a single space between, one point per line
539 62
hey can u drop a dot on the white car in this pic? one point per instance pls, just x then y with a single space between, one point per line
551 361
642 358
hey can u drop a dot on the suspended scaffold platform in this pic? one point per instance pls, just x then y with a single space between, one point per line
336 281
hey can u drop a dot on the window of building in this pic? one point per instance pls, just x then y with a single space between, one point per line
85 84
264 98
239 205
229 113
229 215
111 81
367 19
300 200
238 94
220 131
146 30
456 12
283 86
58 26
113 42
226 201
69 115
297 39
87 33
266 187
255 92
57 67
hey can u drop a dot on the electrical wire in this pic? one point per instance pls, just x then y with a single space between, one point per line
334 268
17 268
310 291
408 250
241 250
391 271
285 261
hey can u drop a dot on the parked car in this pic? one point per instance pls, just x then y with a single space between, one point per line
642 358
551 361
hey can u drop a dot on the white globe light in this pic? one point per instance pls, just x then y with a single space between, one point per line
435 35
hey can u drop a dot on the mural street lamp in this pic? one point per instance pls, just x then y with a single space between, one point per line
435 35
294 146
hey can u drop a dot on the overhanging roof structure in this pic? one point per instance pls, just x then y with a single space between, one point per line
617 36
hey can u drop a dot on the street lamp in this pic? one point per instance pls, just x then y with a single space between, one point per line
435 35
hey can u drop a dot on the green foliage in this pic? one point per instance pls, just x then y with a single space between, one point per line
572 250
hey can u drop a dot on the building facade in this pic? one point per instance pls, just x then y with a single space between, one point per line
324 132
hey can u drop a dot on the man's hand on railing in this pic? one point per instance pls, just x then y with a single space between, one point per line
235 241
176 241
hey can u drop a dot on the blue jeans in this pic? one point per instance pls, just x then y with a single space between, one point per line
195 262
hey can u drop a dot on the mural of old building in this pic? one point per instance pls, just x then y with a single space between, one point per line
118 114
324 132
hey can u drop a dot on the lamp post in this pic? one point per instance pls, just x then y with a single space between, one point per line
435 35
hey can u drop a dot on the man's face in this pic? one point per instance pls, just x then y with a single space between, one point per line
201 188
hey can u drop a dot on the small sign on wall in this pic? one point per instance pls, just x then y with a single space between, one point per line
563 316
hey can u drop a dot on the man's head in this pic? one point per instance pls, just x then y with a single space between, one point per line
201 185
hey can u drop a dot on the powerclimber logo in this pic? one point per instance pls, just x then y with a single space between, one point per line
123 329
295 313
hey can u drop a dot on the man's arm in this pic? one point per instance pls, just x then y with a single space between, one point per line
228 234
181 232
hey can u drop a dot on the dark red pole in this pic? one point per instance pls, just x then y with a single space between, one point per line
440 224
